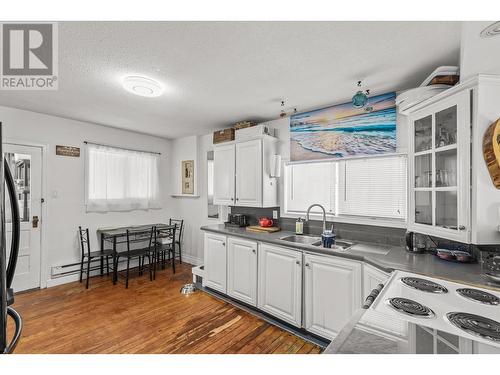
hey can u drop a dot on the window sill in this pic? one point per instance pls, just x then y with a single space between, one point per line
379 222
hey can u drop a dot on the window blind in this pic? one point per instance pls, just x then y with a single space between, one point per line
374 187
310 183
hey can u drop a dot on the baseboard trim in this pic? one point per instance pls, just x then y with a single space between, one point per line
76 275
192 260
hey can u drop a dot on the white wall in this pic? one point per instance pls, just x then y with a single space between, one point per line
65 175
478 55
183 149
194 210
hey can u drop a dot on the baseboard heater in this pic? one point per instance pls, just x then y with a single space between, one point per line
74 268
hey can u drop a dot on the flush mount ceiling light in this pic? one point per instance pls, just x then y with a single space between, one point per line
491 30
142 86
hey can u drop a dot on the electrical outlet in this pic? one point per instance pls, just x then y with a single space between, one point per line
275 214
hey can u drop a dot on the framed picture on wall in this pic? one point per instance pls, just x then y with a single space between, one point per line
187 177
342 131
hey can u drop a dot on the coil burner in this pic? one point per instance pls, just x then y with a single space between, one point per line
410 307
476 325
423 285
480 296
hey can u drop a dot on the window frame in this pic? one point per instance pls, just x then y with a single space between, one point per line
126 204
338 216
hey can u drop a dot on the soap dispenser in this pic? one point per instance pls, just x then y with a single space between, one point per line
299 226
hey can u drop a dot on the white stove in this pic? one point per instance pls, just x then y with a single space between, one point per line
443 305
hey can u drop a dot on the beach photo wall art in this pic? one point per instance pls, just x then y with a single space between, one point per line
342 131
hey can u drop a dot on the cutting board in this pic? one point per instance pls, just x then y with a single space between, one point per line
259 229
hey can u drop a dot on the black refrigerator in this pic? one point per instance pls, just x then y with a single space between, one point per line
10 251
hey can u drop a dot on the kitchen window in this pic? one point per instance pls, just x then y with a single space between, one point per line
120 180
365 190
309 183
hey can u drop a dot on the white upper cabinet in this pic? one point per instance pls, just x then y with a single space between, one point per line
451 192
242 270
249 173
215 262
332 293
439 160
224 169
280 283
242 173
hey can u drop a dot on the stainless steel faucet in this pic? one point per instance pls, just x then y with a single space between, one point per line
324 214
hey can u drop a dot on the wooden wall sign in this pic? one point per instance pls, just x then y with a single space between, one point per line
491 152
68 151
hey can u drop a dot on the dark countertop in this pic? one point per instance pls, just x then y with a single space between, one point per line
397 257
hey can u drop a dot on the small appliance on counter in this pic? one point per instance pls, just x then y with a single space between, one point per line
411 246
236 221
266 225
266 222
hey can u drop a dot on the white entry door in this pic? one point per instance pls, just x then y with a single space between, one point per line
25 164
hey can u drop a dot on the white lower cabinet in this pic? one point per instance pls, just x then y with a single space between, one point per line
215 262
372 277
242 270
332 293
280 283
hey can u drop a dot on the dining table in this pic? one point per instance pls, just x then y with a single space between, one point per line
118 235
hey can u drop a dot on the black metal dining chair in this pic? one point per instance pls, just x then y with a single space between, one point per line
88 256
165 239
141 237
179 233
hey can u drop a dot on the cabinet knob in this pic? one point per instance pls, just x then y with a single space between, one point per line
297 262
232 199
254 251
223 244
461 227
237 199
307 264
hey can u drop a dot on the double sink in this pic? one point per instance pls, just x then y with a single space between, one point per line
341 246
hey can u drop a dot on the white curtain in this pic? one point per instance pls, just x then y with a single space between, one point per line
121 180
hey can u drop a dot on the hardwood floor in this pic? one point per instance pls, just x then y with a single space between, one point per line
149 317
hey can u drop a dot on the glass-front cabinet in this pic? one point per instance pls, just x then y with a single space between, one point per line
439 156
